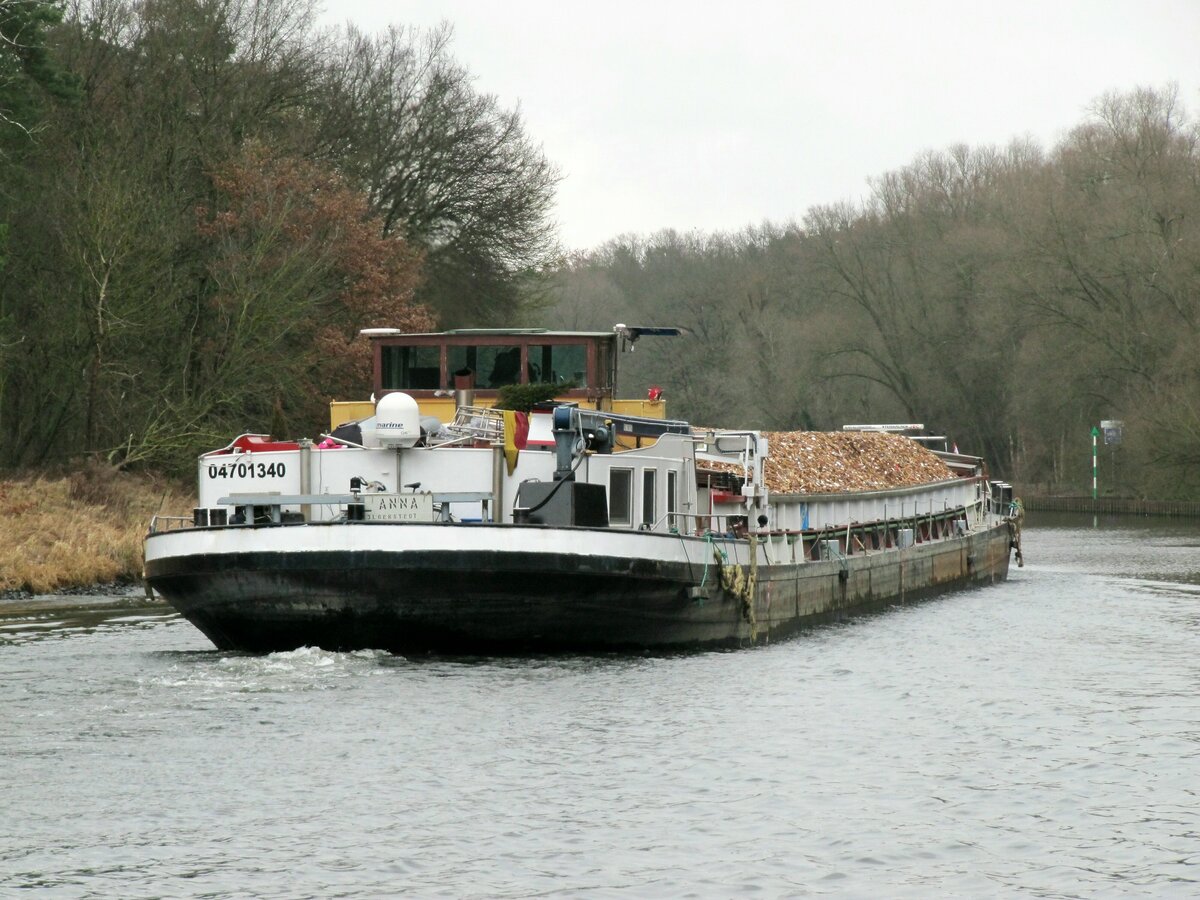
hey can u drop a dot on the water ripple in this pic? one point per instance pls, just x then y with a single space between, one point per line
1038 738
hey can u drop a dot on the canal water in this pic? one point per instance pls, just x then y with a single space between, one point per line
1039 738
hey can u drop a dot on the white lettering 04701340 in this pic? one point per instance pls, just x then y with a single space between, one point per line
247 470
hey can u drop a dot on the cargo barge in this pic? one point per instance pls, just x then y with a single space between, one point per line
583 526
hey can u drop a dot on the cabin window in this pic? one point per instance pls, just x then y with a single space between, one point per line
604 367
411 368
558 364
494 365
672 500
648 507
620 496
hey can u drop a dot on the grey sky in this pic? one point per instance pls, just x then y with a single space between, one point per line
713 117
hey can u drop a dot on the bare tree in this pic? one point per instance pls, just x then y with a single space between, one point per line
444 165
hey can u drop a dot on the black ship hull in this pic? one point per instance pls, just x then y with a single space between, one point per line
252 592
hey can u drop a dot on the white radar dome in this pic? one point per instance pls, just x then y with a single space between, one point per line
397 420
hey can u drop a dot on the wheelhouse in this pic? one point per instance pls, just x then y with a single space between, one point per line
469 367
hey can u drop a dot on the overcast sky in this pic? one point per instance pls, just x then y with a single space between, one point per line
717 116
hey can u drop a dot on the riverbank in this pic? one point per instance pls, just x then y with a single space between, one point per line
79 530
1128 506
90 604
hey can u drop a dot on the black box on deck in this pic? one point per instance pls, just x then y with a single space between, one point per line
573 503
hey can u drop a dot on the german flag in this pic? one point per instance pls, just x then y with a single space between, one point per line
516 435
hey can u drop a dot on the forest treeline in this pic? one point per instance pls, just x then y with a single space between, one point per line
203 201
1010 298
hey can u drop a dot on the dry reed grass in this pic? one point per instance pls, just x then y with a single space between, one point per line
81 529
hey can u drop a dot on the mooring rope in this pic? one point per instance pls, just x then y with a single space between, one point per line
740 581
718 553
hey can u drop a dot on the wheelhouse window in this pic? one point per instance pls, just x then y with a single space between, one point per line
576 363
494 365
604 365
672 498
620 496
649 511
558 364
411 368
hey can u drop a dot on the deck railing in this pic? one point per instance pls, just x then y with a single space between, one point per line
169 523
